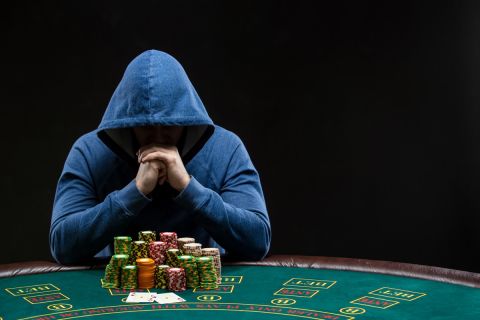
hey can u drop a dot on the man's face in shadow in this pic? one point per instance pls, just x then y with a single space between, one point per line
166 135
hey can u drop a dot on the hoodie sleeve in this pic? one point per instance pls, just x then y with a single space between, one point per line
236 217
82 225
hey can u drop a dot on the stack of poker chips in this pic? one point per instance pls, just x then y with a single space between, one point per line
215 253
146 273
206 272
147 236
176 280
110 279
193 249
161 276
129 277
147 263
139 250
122 245
158 251
172 257
170 238
113 271
189 264
183 241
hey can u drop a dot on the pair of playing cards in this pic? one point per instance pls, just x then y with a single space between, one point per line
168 297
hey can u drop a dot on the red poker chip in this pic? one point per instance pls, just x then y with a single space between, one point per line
170 238
176 279
157 251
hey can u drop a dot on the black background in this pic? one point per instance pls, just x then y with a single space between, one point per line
361 116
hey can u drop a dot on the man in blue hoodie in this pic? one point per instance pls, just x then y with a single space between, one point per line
157 162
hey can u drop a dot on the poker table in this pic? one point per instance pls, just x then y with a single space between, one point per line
279 287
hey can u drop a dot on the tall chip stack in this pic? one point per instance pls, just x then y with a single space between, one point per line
113 271
176 279
146 273
189 264
207 273
172 257
170 238
139 250
193 249
161 280
122 245
147 236
217 262
129 277
110 279
158 251
183 241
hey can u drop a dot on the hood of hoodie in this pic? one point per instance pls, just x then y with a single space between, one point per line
154 90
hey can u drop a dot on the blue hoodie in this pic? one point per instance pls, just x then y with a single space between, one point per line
96 198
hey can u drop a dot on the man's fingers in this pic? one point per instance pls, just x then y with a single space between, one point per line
157 155
151 147
143 151
142 155
156 164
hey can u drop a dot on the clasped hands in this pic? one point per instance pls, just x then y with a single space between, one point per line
160 164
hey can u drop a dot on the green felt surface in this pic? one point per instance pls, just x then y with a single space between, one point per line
247 293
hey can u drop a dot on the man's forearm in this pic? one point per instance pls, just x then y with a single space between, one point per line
244 233
76 237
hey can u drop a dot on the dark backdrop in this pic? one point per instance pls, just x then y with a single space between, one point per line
361 116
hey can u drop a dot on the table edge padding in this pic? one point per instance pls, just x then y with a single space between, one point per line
402 269
452 276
